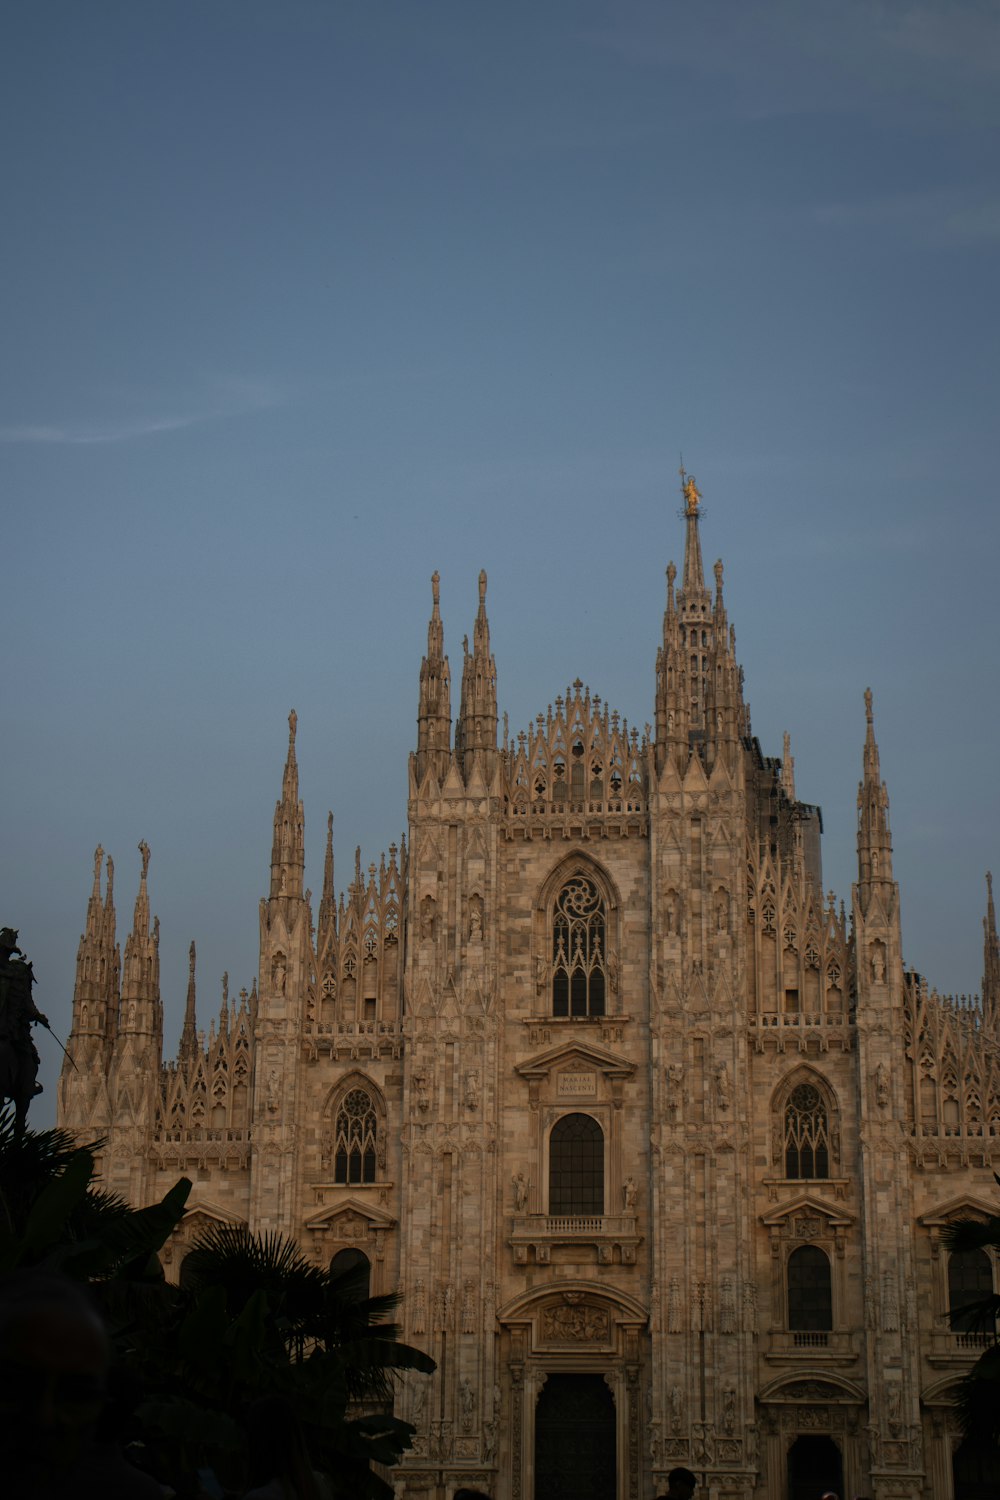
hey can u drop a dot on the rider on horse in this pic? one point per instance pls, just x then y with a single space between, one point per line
18 1012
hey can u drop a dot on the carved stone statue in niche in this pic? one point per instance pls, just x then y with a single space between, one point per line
721 911
629 1194
882 1086
472 1089
428 917
475 920
878 963
278 973
520 1185
723 1085
423 1085
670 913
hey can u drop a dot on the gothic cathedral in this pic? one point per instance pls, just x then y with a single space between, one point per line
657 1139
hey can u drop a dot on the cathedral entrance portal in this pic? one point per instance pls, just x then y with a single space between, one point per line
575 1449
814 1465
976 1472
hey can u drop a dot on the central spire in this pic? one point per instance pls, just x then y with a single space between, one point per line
699 691
694 575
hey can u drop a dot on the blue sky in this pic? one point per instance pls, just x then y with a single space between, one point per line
302 301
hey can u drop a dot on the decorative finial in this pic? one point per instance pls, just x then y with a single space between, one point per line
293 720
436 587
329 823
98 856
868 704
191 958
144 851
717 570
989 884
482 585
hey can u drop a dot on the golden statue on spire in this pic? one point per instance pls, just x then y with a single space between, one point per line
690 491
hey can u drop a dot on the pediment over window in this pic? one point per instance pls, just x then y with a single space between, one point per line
807 1218
209 1214
347 1214
572 1056
958 1208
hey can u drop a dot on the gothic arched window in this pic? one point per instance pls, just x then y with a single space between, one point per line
354 1158
810 1291
576 1166
579 981
970 1281
807 1133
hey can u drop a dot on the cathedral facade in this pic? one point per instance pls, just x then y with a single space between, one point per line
657 1139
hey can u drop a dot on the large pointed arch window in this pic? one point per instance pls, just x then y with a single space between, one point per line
355 1158
807 1133
579 949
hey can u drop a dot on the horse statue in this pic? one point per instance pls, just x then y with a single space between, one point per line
18 1013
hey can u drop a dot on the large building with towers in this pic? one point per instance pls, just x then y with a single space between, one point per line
658 1139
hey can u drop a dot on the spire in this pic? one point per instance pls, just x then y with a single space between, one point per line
287 849
140 1000
699 685
874 840
95 988
787 767
991 956
694 577
476 728
189 1031
140 918
327 917
224 1007
434 713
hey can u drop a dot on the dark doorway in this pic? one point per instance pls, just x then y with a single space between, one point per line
575 1439
814 1466
976 1472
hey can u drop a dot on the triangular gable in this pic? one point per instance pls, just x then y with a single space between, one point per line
966 1207
606 1062
351 1208
807 1207
211 1211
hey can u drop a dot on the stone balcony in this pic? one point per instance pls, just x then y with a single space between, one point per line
957 1349
791 1346
613 1237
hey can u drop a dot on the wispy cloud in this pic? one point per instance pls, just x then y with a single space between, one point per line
905 59
225 398
941 217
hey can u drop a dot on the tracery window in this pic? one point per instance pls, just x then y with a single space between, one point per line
810 1290
576 1166
970 1281
807 1133
579 977
354 1133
